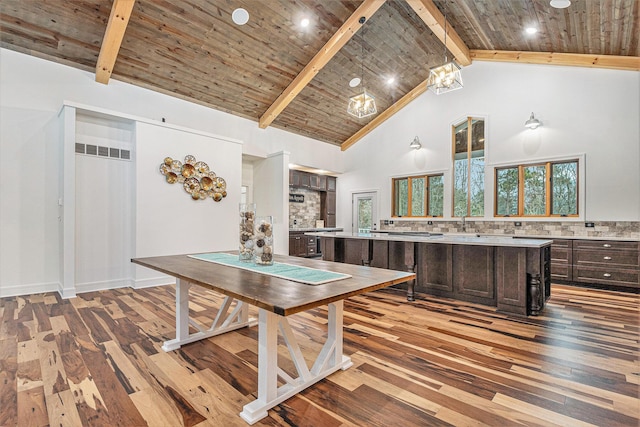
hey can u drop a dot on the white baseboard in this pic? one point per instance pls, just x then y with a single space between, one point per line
102 285
39 288
154 281
32 288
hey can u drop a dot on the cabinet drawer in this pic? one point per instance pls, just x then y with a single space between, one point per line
561 271
606 276
311 250
311 240
605 244
618 259
560 254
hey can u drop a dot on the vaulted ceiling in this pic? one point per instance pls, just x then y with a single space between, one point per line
277 73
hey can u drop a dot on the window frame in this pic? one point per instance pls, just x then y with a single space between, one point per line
427 192
469 121
548 164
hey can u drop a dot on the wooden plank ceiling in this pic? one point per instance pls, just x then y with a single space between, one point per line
191 48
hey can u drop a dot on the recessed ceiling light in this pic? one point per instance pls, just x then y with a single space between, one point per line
391 80
354 82
304 22
531 30
240 16
560 4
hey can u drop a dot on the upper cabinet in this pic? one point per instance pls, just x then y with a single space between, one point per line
312 181
331 183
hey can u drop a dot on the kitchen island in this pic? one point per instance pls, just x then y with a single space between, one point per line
510 274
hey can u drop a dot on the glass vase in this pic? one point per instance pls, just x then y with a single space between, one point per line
263 241
247 221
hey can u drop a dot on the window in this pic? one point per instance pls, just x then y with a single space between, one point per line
418 196
543 189
468 167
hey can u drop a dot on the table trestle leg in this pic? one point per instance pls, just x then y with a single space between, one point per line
329 360
224 321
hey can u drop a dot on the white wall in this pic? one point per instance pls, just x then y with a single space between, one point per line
584 111
32 92
168 221
271 196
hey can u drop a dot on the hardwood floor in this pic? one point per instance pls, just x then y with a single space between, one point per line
96 360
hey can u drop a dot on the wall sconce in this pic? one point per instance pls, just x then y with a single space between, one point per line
415 144
532 123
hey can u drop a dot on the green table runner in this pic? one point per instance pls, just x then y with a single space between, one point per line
297 273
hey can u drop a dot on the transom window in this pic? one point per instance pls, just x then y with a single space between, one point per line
541 189
468 167
418 196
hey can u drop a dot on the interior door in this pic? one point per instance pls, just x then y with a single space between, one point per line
364 212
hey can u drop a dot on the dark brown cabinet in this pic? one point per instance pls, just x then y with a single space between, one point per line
435 269
473 274
331 183
301 245
597 262
514 279
318 182
561 259
328 208
297 245
606 262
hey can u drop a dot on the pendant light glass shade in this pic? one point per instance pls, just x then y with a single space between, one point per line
445 78
362 105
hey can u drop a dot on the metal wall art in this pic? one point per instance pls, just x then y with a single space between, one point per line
196 178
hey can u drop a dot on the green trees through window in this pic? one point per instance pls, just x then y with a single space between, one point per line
547 189
468 167
418 196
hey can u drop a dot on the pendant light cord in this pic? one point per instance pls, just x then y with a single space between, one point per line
445 31
362 21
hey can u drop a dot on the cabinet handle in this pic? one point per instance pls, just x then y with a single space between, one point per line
606 245
607 274
608 258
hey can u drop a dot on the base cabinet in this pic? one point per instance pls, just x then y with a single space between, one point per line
513 279
302 245
561 259
435 269
473 273
599 262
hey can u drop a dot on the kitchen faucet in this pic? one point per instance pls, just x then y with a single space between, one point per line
464 223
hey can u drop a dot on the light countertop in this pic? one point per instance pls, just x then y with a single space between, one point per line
452 239
304 230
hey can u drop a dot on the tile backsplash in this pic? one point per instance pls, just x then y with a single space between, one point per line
306 213
604 229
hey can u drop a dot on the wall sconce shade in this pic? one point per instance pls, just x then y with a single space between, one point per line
532 123
415 144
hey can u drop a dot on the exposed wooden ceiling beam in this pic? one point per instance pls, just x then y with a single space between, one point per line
386 114
328 51
117 25
429 13
631 63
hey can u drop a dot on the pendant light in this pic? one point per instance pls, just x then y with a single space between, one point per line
362 105
446 77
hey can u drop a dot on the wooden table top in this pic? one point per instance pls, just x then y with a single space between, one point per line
280 296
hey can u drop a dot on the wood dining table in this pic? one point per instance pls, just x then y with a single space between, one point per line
275 298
